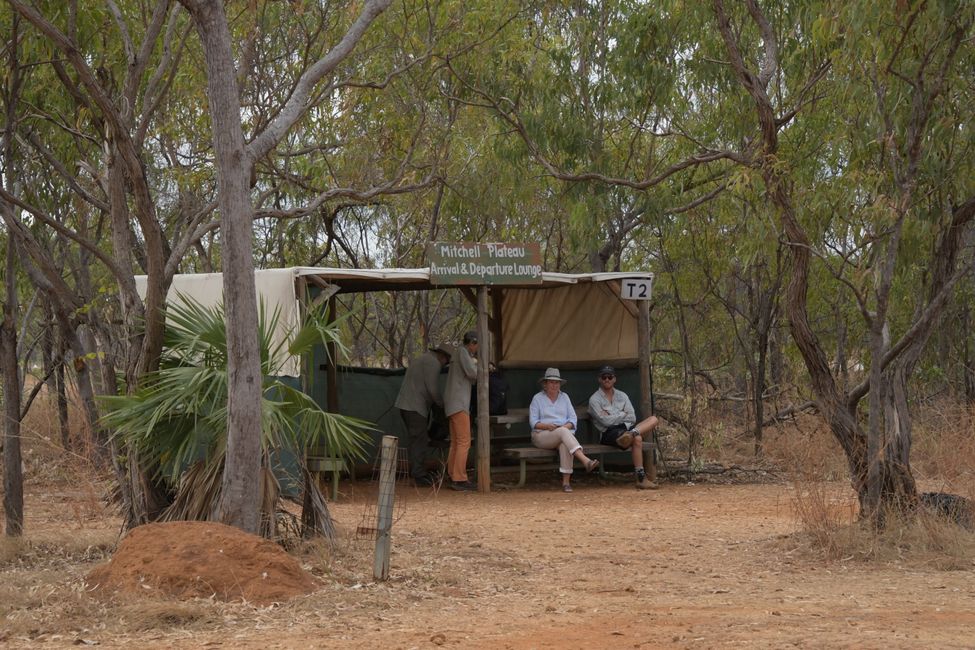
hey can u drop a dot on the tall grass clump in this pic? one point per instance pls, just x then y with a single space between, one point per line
943 461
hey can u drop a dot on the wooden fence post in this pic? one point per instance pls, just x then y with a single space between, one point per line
384 508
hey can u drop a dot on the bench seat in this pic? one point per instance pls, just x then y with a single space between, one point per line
526 454
319 465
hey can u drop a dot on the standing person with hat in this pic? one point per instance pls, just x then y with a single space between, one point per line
457 405
419 391
553 421
613 416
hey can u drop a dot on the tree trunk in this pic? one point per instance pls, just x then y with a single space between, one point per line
776 357
239 504
13 473
758 388
52 347
842 367
967 362
61 396
764 309
13 477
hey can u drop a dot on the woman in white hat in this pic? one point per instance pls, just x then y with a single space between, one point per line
553 421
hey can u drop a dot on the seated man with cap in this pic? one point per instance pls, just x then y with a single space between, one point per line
613 416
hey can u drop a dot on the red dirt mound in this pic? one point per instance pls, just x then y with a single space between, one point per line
189 559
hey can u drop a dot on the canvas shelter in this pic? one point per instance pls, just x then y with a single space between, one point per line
576 322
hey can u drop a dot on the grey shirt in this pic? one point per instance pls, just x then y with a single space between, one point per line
605 412
421 387
460 377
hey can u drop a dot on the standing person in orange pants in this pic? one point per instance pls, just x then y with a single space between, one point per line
461 375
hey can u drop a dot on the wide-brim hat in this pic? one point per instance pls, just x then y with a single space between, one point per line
552 374
444 348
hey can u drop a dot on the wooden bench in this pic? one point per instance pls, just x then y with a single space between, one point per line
319 465
526 454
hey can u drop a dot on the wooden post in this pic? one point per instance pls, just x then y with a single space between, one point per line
331 371
646 404
384 508
497 335
483 408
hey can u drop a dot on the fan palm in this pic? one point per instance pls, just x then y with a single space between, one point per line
178 419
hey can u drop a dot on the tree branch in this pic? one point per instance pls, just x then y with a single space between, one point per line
297 105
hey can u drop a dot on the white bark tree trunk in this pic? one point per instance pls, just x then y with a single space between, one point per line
240 489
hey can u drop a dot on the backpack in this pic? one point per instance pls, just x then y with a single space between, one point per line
497 395
438 429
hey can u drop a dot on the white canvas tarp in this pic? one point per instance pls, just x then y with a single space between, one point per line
571 319
275 287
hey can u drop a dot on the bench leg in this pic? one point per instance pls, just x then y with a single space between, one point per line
522 473
335 484
649 465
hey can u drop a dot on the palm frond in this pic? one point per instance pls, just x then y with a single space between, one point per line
178 419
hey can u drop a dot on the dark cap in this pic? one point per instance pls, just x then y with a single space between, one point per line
607 370
470 337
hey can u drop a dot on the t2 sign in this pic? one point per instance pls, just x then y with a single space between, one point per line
635 289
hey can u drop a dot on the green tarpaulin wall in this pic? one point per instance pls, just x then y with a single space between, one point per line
369 394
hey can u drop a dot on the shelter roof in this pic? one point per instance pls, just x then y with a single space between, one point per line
594 325
364 280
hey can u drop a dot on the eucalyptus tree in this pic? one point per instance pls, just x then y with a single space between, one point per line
118 89
101 190
234 162
13 473
140 98
718 274
10 376
590 93
891 91
860 147
613 103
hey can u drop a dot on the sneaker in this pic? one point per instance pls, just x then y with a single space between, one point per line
643 483
463 486
625 440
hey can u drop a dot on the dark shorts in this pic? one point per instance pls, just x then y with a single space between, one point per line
611 434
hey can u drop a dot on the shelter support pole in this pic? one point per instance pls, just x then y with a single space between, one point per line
331 371
497 336
483 412
646 401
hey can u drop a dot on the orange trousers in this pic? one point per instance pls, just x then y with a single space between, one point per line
460 445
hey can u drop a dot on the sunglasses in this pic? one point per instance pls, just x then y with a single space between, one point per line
607 376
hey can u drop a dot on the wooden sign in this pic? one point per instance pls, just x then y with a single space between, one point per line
458 263
635 289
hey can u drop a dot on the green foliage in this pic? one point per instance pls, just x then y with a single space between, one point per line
180 413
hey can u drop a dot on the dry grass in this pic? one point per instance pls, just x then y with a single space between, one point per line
943 454
943 460
829 529
43 594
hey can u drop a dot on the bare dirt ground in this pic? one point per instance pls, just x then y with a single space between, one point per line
689 566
